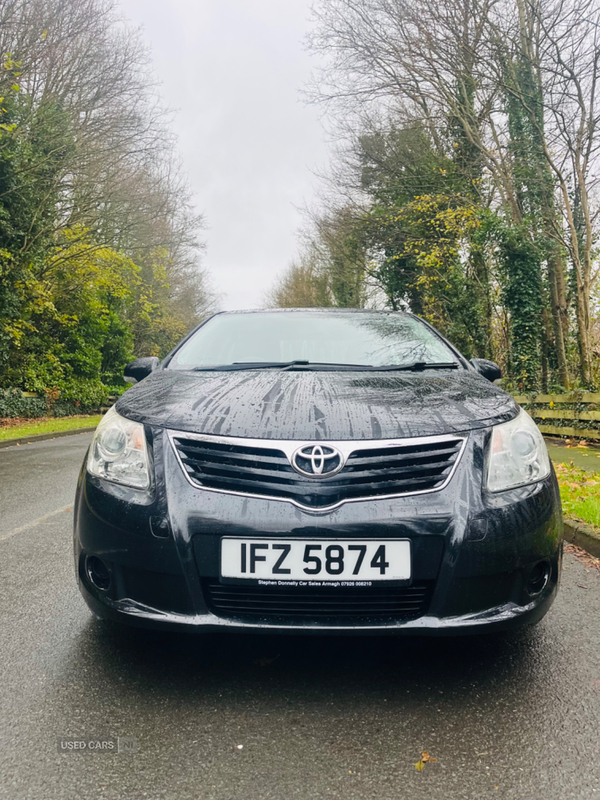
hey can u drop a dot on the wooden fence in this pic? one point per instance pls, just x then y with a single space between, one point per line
578 408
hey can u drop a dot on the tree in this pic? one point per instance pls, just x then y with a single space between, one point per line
503 95
99 247
302 285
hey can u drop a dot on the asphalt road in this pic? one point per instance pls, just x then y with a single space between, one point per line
315 718
581 457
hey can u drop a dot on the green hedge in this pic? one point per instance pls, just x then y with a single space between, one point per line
13 404
75 397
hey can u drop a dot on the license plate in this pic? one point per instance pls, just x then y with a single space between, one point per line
334 562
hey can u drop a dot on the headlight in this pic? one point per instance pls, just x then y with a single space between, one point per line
119 452
517 455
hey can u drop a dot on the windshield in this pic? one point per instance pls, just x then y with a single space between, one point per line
357 339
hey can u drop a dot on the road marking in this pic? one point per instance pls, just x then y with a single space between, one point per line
36 522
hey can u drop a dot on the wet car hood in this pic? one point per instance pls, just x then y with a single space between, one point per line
308 406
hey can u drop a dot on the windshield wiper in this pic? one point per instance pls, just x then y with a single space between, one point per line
418 366
239 365
284 365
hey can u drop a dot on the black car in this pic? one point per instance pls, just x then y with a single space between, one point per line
318 471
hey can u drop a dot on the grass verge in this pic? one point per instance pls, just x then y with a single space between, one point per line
579 492
33 427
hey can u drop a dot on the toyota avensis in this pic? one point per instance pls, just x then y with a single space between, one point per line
318 470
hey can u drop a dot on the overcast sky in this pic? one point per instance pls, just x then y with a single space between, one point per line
233 70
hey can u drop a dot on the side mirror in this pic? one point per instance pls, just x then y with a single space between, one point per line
488 369
139 369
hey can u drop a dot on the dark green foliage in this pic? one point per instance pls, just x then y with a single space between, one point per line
466 156
523 298
77 397
401 164
13 404
417 242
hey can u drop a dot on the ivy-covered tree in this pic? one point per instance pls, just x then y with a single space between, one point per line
492 103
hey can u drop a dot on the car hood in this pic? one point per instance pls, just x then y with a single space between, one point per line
309 406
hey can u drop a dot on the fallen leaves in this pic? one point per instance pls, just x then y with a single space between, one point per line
425 757
570 443
581 555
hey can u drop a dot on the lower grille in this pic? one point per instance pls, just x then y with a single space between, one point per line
269 603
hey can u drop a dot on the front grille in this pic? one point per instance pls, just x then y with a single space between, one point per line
373 469
270 603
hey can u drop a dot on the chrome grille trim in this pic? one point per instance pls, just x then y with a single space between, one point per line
347 448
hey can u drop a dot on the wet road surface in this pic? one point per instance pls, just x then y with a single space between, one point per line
315 717
587 458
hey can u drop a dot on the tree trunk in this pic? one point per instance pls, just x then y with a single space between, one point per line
583 328
559 316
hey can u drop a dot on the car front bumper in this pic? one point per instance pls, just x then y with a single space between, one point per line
475 551
501 618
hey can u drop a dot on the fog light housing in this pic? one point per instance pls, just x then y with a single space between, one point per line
98 573
538 578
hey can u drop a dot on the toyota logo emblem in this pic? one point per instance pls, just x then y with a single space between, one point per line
317 460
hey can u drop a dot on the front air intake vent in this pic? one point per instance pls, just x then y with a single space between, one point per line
346 605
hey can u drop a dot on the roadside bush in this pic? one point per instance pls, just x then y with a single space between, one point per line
74 397
88 394
13 404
